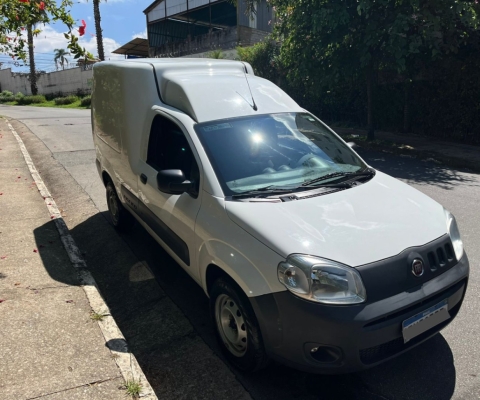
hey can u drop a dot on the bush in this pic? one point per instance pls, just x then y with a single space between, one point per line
6 96
216 54
19 96
53 96
26 100
264 58
82 93
61 101
86 101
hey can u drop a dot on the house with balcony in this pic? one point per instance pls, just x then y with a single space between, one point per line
178 28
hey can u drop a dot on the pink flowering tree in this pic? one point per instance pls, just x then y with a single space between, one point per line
18 17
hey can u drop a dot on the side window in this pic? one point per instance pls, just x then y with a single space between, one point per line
168 148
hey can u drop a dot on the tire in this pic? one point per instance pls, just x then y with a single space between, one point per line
121 219
236 327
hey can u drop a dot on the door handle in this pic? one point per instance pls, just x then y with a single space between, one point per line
143 178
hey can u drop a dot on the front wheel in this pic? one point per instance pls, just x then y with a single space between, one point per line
236 326
122 220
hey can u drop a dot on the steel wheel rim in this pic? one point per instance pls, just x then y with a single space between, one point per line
231 325
113 206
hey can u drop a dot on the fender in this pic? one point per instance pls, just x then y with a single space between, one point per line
223 243
254 284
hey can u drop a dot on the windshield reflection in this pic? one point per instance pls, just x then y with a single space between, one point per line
278 150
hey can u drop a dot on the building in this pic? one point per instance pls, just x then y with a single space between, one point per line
178 28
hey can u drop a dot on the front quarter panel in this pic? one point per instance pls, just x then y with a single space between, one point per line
221 242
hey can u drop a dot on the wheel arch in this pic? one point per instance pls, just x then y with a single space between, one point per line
217 259
106 178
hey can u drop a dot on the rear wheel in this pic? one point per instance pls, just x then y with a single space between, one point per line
236 326
122 220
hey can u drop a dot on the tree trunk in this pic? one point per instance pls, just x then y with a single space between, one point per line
98 29
371 132
406 109
33 76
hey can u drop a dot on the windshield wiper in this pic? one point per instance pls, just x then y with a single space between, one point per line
367 172
265 191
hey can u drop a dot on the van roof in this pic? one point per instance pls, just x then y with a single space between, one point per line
209 89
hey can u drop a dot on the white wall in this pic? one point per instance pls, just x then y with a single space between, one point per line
67 82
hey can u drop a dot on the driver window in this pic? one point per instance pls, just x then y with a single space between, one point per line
168 148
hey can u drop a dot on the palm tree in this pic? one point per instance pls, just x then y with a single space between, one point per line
31 57
98 29
60 58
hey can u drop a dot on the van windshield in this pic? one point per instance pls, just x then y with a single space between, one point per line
277 151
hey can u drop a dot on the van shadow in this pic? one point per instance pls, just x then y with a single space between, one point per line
165 347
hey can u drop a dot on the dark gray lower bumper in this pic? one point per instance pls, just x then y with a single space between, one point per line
351 338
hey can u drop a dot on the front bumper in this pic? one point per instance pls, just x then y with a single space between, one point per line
352 338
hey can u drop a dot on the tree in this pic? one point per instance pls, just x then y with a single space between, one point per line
324 41
60 58
98 29
31 59
263 56
16 16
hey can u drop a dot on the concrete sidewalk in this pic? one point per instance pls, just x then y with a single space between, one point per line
50 347
455 155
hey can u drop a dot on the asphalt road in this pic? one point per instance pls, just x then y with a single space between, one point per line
447 366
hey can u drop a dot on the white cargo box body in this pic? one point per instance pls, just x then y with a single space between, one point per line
296 240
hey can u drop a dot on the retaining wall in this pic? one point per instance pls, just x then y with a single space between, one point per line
68 81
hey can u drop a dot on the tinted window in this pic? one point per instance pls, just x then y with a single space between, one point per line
168 148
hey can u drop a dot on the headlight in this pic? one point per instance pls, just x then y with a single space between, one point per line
321 280
454 235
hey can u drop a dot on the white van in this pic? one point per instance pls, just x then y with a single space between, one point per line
309 256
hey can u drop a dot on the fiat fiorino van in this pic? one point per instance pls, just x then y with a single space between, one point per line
309 256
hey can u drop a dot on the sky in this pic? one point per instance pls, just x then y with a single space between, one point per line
122 20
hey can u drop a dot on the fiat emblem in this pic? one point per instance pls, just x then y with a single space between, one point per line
417 268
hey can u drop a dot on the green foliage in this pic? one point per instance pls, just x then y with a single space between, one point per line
6 96
330 50
16 16
52 96
82 93
264 58
216 54
325 39
86 101
61 101
19 96
26 100
60 58
133 388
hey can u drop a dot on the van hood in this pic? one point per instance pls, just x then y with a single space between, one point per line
358 226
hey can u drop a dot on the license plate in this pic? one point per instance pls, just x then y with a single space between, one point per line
425 320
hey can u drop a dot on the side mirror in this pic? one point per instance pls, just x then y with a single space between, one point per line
352 145
173 181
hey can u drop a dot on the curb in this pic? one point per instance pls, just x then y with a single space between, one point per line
126 361
406 150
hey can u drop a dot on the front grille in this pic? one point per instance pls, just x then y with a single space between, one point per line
441 257
378 353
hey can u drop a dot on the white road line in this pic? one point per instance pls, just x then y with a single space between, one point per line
126 361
